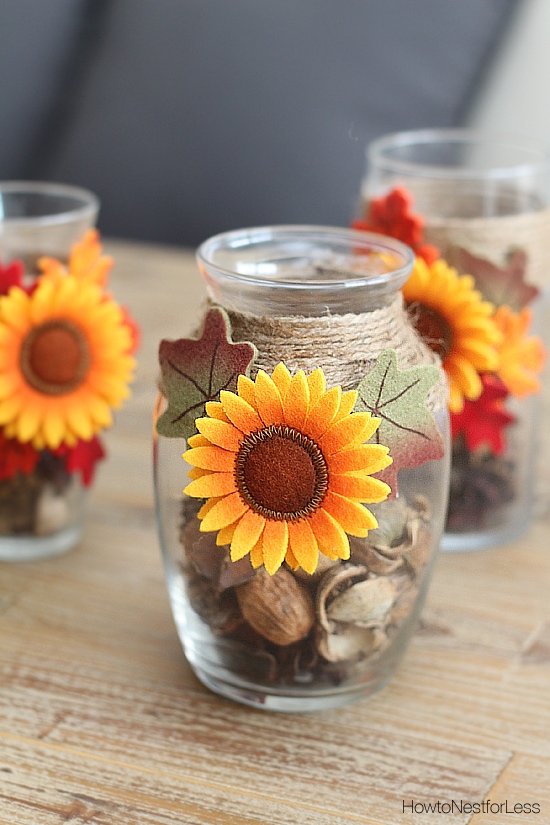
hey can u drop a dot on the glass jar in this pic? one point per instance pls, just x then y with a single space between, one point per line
479 202
277 604
41 500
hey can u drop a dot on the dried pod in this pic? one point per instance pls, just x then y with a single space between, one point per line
233 573
220 612
202 552
323 565
278 606
351 642
365 604
420 545
373 558
335 581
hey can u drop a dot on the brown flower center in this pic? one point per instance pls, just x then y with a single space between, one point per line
55 357
432 327
281 473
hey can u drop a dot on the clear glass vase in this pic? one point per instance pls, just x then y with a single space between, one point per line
481 201
42 504
277 635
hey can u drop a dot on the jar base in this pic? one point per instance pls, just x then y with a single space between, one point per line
483 539
285 703
34 548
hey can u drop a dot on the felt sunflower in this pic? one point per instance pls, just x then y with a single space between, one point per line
64 362
455 322
521 357
285 470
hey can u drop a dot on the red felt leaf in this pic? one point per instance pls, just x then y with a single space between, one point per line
11 275
16 457
392 215
82 458
482 422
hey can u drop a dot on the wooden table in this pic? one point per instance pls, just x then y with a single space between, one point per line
102 721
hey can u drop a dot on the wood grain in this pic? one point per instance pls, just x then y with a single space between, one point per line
102 720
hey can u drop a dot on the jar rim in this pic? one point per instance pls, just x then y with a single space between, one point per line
287 233
86 202
536 153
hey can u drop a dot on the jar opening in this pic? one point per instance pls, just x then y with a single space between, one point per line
300 269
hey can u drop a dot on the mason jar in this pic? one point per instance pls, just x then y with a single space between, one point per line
301 467
41 500
478 202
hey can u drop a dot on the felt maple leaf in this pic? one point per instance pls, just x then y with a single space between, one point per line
500 286
482 422
195 371
407 426
82 457
392 215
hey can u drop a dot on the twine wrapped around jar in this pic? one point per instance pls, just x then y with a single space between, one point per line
494 238
345 346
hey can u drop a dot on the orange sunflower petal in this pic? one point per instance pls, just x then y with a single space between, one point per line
198 440
274 544
257 555
246 390
331 538
197 472
225 535
219 433
282 378
291 559
296 401
240 413
211 458
303 544
317 385
368 457
354 518
247 534
225 511
359 487
321 415
215 410
212 485
347 403
268 399
351 430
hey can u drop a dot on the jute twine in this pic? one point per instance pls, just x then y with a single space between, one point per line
344 346
492 238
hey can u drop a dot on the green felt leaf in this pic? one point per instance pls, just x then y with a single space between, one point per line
195 371
407 426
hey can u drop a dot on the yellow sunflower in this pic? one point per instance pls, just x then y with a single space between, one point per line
455 322
64 362
285 469
85 262
521 357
